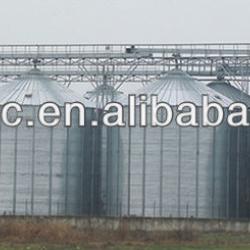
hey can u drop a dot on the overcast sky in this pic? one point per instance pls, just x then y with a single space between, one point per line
124 21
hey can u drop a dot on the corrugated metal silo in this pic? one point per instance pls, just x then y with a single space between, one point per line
169 171
46 171
239 154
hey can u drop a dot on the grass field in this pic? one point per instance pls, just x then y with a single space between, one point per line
120 247
54 236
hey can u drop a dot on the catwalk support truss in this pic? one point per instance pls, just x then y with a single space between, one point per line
108 67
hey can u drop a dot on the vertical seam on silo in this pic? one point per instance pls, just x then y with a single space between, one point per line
66 173
111 166
108 193
0 149
118 202
83 154
144 171
15 172
33 166
129 168
161 168
50 169
99 167
197 171
213 170
228 172
92 174
179 173
87 169
238 174
247 157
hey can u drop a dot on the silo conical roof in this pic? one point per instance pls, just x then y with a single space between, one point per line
230 91
33 88
177 87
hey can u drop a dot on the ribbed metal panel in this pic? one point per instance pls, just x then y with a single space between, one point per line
34 88
239 154
224 87
171 171
177 87
111 171
47 171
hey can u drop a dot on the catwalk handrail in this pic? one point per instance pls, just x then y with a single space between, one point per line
196 48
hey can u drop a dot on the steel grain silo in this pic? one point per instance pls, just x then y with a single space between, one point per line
170 171
239 146
46 171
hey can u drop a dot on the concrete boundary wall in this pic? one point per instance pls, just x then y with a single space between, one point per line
141 224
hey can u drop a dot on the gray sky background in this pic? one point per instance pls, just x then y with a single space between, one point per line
124 21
